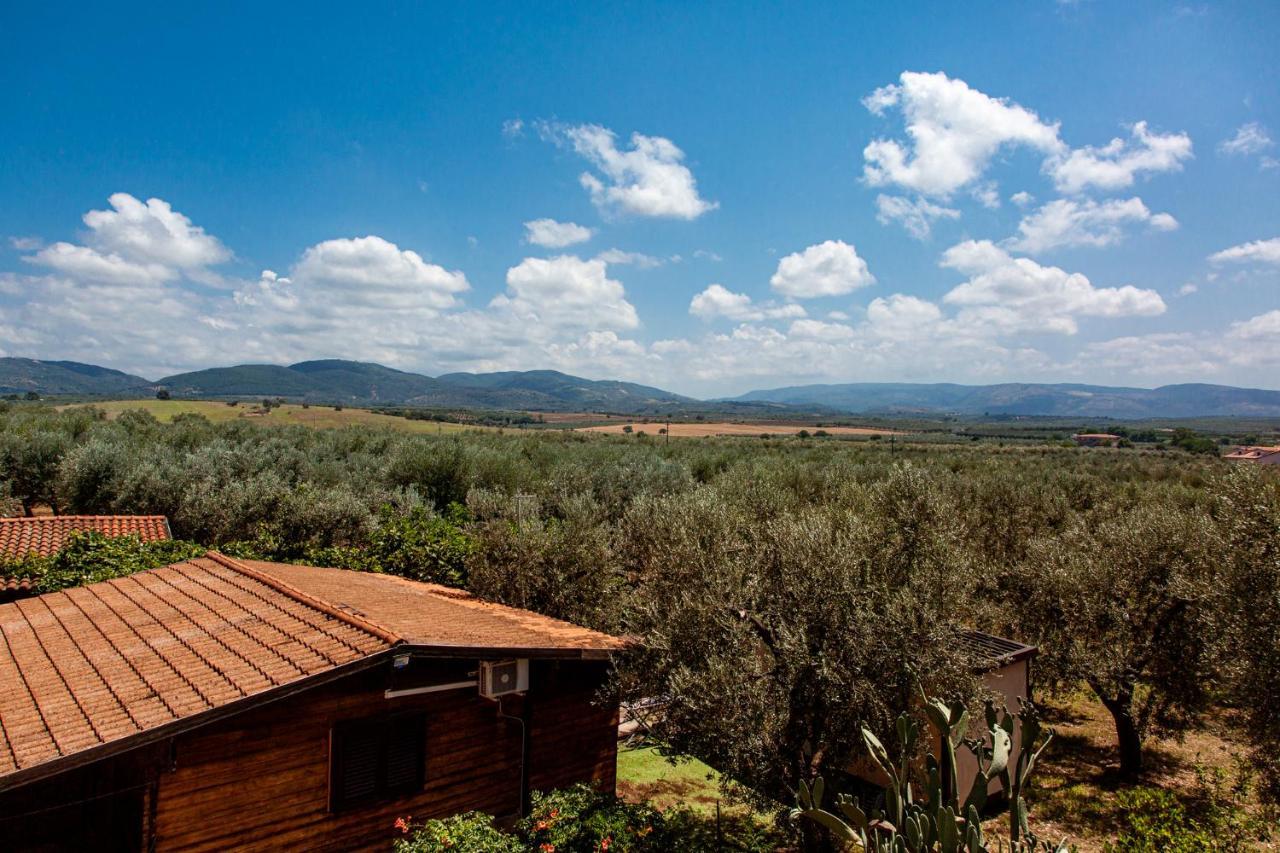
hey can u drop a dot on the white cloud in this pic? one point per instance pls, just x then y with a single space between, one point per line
90 264
718 301
955 131
1069 222
136 242
832 268
817 330
1008 295
917 216
555 235
648 179
639 259
1115 165
707 255
26 244
513 128
1250 138
566 292
152 233
987 194
1022 198
370 273
1188 289
1263 326
1259 251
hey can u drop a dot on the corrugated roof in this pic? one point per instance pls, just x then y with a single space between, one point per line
45 535
993 649
102 665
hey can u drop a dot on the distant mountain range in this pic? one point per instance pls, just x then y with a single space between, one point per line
1063 400
364 384
354 383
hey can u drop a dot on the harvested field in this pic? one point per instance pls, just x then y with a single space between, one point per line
702 430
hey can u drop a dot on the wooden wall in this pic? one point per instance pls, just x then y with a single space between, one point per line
259 780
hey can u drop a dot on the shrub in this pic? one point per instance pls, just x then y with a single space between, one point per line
473 831
1157 822
89 557
583 820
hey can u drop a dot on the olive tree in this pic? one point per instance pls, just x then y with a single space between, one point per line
772 638
1127 601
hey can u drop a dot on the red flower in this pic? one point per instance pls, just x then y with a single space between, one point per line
548 848
604 845
402 824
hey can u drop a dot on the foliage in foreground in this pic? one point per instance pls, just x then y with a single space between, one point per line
89 557
941 822
578 820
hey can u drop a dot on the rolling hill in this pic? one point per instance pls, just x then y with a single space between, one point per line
365 384
1064 400
360 383
20 375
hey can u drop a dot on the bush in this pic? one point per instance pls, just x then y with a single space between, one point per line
89 557
1157 822
473 831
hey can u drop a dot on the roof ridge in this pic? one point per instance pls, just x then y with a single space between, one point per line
361 622
30 518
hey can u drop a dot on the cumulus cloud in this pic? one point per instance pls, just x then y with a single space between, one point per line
832 268
1258 251
647 179
1022 198
1251 138
90 264
374 274
566 292
551 234
717 301
1070 222
1009 295
955 130
137 242
1115 165
917 216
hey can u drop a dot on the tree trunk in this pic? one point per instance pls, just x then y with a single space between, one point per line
1127 734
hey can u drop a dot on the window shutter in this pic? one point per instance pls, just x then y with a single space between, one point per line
404 755
380 758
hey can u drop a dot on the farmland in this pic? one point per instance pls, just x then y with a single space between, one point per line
704 430
287 414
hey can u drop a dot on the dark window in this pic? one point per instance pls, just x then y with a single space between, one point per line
376 759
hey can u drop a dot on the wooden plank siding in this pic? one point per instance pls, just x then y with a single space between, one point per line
260 781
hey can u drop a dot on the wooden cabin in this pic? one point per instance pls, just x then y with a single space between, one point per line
220 704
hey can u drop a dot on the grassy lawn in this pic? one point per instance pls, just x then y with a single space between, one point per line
646 774
317 417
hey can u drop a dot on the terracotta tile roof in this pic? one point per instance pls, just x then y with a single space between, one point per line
426 614
1251 453
45 535
12 588
99 667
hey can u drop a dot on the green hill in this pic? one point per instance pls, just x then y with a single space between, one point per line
20 375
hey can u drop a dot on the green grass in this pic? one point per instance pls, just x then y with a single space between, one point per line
648 774
317 417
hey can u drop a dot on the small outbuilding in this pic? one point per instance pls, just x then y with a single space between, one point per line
220 704
1257 455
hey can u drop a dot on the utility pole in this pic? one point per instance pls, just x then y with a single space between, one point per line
668 430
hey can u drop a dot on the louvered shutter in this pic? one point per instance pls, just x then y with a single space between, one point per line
377 759
404 754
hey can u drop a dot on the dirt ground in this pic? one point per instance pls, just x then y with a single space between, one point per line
702 430
1075 789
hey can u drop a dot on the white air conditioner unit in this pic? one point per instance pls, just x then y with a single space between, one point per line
500 677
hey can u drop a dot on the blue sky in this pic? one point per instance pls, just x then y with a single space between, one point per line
762 195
